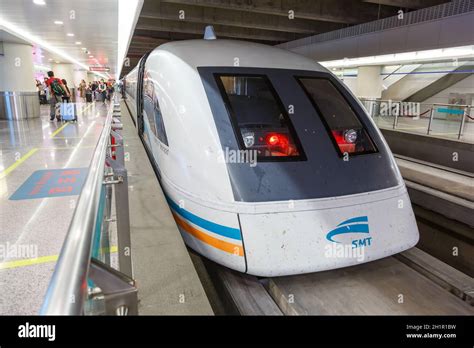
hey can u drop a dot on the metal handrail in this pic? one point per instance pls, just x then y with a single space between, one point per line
432 110
67 289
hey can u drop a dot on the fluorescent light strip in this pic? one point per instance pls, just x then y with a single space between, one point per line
13 29
42 67
408 57
128 12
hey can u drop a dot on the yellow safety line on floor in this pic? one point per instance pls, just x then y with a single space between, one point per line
22 159
37 261
17 163
58 130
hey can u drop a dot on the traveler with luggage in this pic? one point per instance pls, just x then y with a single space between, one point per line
56 91
68 109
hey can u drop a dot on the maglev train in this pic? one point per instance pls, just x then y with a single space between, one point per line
270 165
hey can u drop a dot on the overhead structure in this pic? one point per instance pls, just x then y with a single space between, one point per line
269 22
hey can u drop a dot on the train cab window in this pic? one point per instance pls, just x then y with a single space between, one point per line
348 134
153 111
258 117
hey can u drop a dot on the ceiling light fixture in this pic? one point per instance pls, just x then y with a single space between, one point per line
39 2
42 67
405 57
70 34
78 43
58 22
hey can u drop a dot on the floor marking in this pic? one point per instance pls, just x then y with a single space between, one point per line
38 260
7 171
51 183
17 163
58 130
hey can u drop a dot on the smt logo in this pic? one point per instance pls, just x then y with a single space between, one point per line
356 225
37 331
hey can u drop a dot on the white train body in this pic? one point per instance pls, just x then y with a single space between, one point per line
314 199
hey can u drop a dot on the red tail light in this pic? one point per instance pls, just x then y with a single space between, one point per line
276 139
279 144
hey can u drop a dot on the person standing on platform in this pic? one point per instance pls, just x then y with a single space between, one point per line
56 91
110 90
89 93
94 90
102 90
46 89
41 92
82 90
67 97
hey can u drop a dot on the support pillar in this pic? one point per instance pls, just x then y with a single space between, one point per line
66 71
369 82
18 95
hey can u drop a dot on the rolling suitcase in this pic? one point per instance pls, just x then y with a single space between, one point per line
68 112
88 97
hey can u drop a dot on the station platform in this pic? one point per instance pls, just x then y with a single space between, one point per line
43 166
166 278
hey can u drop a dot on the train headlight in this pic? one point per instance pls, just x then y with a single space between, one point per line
249 139
350 136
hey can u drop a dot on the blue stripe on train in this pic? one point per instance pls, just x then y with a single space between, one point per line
225 231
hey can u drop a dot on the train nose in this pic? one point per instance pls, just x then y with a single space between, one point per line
331 236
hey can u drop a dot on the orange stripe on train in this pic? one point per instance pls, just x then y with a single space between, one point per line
204 237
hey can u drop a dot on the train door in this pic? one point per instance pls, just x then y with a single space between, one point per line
141 72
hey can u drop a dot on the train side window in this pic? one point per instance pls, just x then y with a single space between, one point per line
259 118
347 133
153 112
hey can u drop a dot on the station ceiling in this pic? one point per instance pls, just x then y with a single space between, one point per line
264 21
82 32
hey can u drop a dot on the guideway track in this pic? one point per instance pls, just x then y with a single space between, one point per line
410 283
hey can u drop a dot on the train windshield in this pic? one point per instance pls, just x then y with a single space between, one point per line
346 131
259 119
